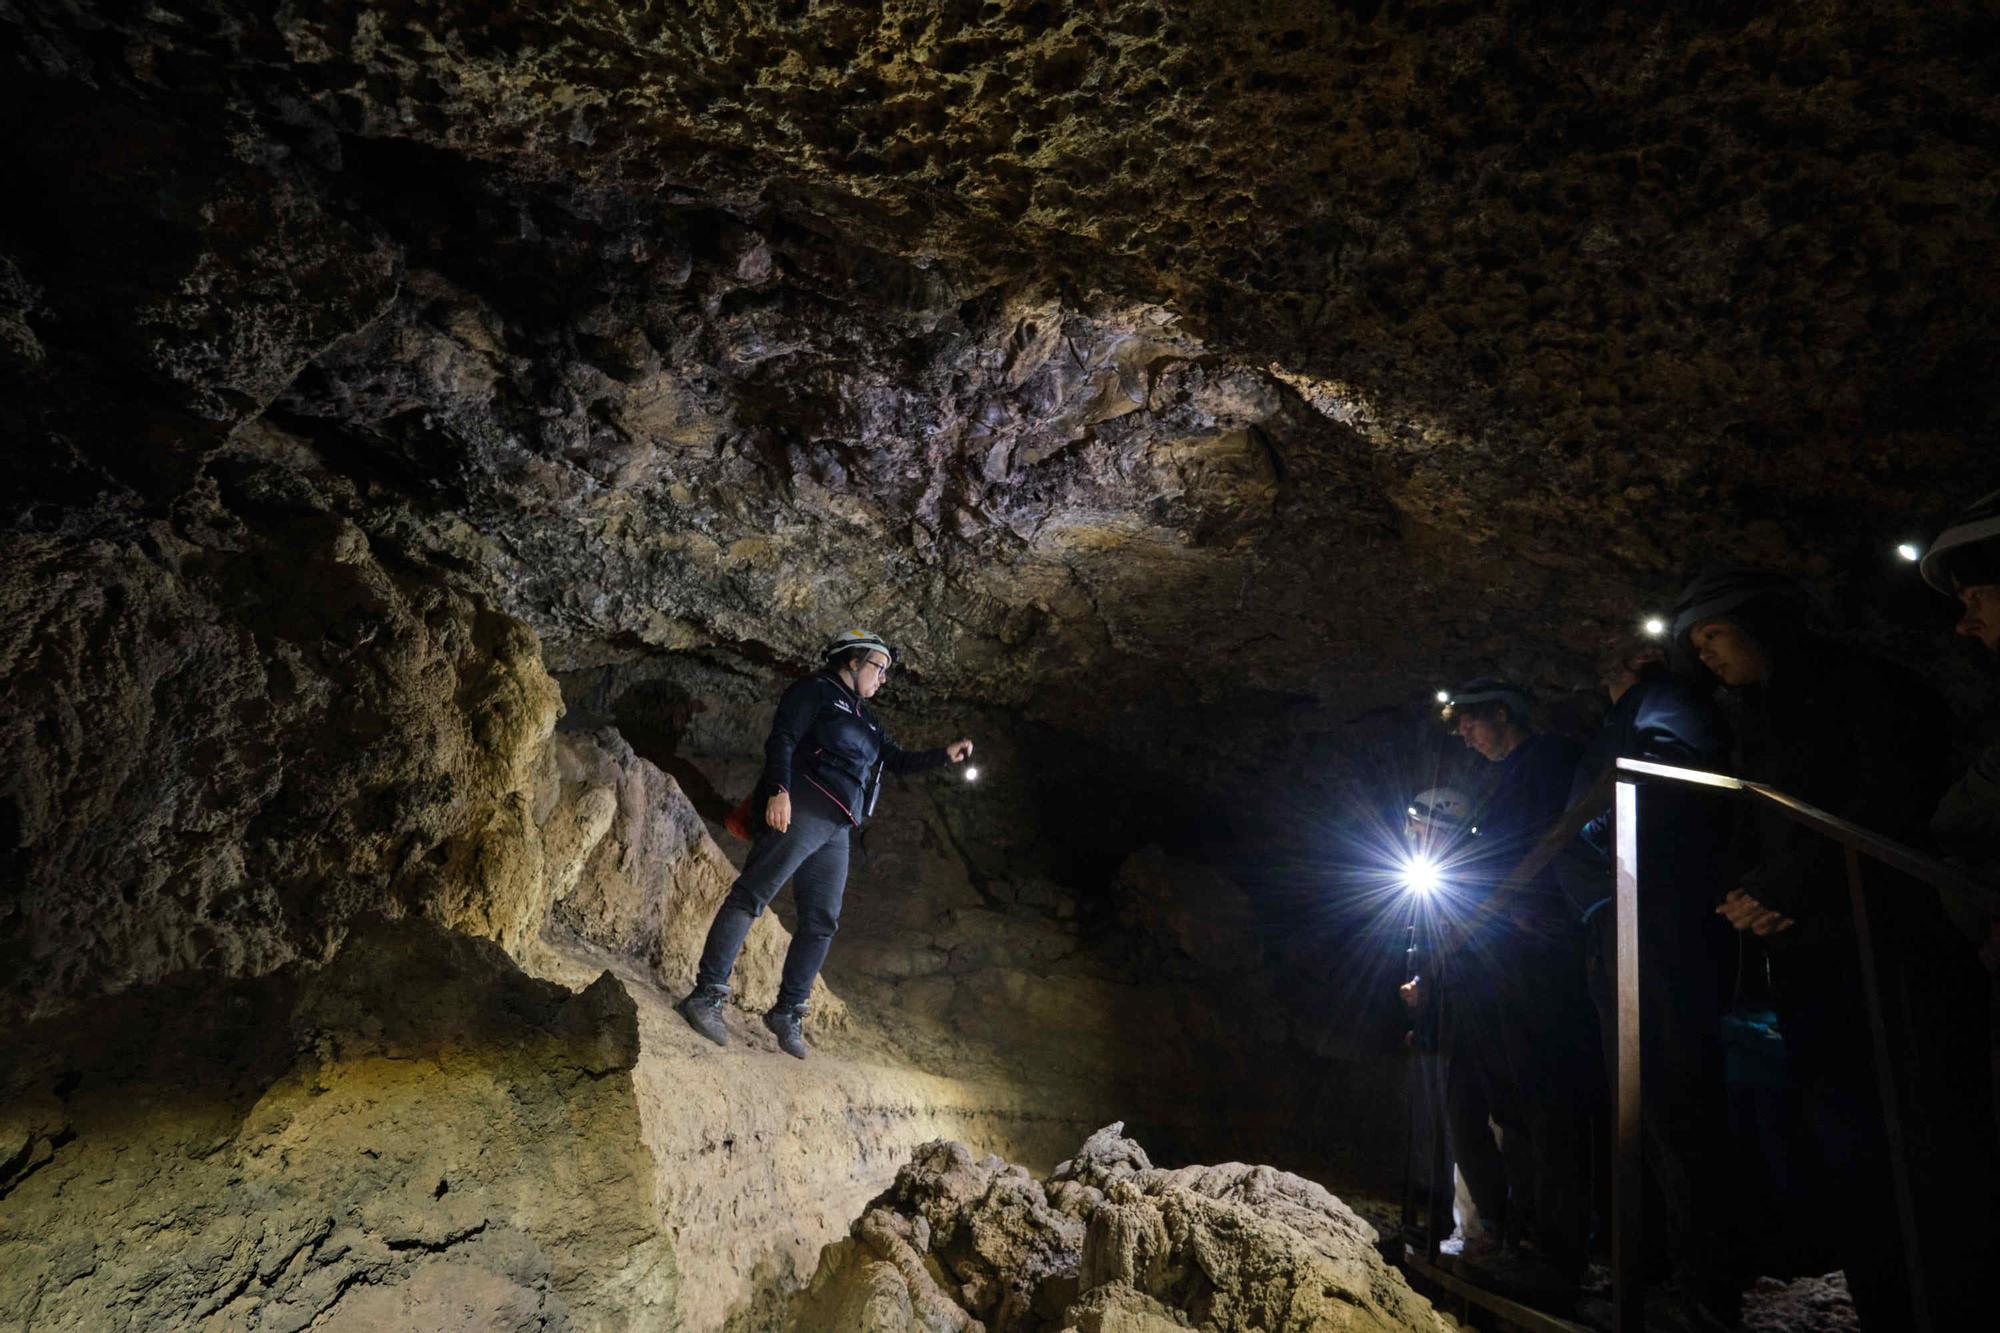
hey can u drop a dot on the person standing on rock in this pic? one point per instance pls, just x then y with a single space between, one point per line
823 766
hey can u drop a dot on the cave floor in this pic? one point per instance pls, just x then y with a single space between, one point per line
762 1159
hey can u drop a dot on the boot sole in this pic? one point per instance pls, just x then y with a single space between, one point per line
799 1054
719 1040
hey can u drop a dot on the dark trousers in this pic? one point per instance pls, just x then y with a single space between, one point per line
812 853
1525 1022
1932 996
1473 1149
1684 1107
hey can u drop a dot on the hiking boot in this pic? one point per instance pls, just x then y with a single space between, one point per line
784 1025
1474 1249
703 1011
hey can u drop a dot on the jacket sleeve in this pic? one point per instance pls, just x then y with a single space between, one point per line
788 729
905 762
1966 823
1674 727
1886 778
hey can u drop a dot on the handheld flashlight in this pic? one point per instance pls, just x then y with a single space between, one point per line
971 774
1420 876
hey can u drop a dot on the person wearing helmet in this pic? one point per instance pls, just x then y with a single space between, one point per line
1437 827
1866 741
1657 717
1964 563
1517 1000
823 765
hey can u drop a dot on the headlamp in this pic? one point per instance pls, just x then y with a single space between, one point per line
1420 876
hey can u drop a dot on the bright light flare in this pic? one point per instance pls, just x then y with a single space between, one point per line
1655 626
971 774
1444 696
1420 876
1910 551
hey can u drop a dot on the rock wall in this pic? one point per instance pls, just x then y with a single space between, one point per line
228 733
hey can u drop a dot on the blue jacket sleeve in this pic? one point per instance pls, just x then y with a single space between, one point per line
788 729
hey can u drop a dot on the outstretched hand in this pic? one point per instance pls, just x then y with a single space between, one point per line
1746 913
960 751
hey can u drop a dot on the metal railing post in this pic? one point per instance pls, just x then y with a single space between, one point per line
1892 1107
1628 1192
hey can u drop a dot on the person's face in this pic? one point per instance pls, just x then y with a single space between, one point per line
1491 735
1981 619
1726 649
869 674
1618 680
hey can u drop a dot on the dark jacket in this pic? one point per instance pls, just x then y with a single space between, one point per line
1525 794
1680 831
1966 828
825 735
1858 737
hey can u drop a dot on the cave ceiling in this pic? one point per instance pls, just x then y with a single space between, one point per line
1089 350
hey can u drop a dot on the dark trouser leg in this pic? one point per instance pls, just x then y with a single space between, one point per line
1827 1046
1478 1055
773 859
1472 1145
1551 1063
818 886
1686 1135
1949 1118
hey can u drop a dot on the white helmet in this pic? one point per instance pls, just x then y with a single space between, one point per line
1440 810
1975 526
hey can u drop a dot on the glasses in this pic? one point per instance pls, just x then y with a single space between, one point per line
881 668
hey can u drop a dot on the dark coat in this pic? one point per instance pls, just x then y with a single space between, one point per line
1858 737
825 735
1681 832
1523 797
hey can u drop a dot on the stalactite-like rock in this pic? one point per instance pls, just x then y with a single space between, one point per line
1109 1244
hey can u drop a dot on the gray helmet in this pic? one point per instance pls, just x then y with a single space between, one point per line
1720 589
847 640
1975 526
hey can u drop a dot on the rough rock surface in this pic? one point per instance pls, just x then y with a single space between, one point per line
1183 385
226 736
1109 1244
632 870
416 1136
1004 327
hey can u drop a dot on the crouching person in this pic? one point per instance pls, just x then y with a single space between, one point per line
823 767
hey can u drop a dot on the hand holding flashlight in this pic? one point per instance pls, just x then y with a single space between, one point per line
960 751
